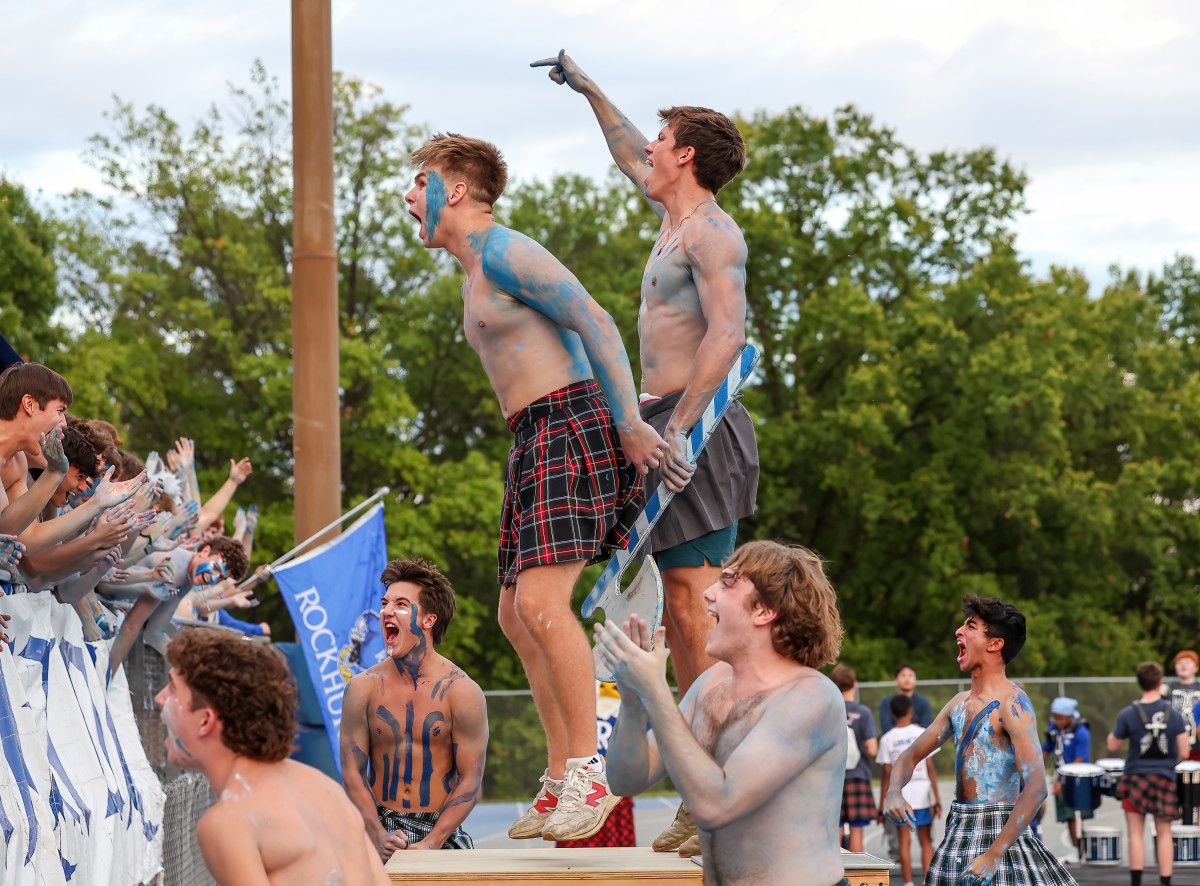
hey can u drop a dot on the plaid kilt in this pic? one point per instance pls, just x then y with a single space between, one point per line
1150 793
618 830
416 826
568 495
971 828
858 802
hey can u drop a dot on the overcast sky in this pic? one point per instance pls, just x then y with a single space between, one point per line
1098 101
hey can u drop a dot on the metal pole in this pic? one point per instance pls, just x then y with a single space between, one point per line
316 442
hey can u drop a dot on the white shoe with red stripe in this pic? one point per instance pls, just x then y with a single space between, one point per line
530 824
583 806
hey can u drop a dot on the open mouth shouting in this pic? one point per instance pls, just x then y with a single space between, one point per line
391 633
962 649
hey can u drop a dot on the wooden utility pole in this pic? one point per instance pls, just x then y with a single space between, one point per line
316 441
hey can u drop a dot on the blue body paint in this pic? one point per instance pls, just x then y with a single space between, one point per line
391 763
408 751
410 663
433 718
450 781
435 202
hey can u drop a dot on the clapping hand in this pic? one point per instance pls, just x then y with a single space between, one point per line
637 658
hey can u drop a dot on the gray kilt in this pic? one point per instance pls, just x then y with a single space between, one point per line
416 826
971 828
725 485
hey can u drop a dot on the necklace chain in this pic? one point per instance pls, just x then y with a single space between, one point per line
675 230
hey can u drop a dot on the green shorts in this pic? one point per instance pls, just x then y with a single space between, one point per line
713 547
1063 812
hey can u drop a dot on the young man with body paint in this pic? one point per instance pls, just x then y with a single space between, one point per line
569 500
414 726
1158 741
757 747
229 709
691 328
999 781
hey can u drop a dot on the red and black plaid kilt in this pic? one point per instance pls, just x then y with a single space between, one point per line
568 494
1150 793
618 830
858 803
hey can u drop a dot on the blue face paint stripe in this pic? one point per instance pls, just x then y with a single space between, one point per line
435 202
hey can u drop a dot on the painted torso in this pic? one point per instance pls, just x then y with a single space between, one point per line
411 724
985 763
306 830
525 354
791 838
671 321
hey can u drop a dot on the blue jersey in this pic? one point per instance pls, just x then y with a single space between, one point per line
1069 745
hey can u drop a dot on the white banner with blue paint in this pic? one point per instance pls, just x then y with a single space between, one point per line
79 802
333 595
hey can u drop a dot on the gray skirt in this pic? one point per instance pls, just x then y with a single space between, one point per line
725 485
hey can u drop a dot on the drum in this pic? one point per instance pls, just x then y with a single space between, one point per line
1114 768
1187 780
1186 839
1080 785
1100 845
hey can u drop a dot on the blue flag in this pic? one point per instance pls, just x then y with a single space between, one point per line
333 595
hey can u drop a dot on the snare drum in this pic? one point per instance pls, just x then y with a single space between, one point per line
1100 845
1186 839
1114 768
1187 780
1080 785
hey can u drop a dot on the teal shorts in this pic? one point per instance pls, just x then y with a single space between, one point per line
713 547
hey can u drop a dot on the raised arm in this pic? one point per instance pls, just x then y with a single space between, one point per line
355 747
215 506
526 270
468 711
625 142
716 251
18 513
1018 721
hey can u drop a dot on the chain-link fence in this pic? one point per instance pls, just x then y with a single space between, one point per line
188 798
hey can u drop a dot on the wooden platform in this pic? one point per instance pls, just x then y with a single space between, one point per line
615 867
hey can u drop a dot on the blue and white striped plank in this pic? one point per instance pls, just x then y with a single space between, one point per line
608 587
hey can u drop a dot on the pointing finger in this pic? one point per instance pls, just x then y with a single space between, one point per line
544 63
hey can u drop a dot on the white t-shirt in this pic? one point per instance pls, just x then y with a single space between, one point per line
918 793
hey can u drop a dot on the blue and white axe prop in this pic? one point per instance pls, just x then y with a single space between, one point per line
644 597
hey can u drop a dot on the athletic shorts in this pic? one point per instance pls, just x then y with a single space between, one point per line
416 826
858 803
568 494
1063 812
1149 793
713 547
923 817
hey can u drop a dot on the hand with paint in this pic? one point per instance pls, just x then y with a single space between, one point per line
642 445
676 469
635 657
165 571
564 70
108 493
389 844
896 808
981 871
52 451
112 528
183 454
10 556
251 519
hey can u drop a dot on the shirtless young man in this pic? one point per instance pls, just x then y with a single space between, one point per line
230 712
419 710
691 328
999 780
757 747
568 498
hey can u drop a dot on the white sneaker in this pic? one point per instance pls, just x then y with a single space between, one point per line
583 806
530 824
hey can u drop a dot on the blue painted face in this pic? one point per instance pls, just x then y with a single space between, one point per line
209 573
435 202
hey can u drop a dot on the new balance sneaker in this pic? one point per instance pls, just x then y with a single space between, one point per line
677 832
530 824
691 846
583 806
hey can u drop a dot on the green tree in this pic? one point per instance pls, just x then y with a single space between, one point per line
28 281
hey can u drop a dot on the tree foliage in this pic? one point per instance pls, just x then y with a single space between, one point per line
933 418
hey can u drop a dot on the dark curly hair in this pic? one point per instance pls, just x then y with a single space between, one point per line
79 453
236 562
437 596
791 580
248 685
999 619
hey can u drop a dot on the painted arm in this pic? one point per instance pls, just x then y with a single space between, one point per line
717 253
527 271
76 589
895 807
354 742
794 731
215 506
17 514
625 142
230 849
468 713
1018 721
883 786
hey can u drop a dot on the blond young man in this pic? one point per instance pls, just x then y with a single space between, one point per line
569 499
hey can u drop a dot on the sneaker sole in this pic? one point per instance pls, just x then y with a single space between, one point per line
528 832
